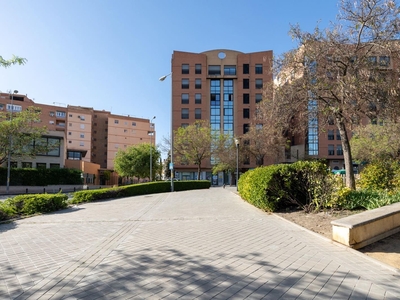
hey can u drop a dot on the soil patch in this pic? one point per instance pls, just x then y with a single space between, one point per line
386 250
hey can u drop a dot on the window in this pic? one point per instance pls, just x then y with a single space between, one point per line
82 118
229 70
184 125
82 135
185 83
214 70
185 113
246 98
26 165
69 133
197 98
15 108
185 69
54 166
185 98
246 160
372 60
60 114
258 98
133 123
52 114
331 150
51 122
74 155
339 150
70 115
246 69
197 83
384 61
197 69
246 83
81 144
331 135
82 126
331 121
338 137
40 165
259 69
197 113
246 113
116 121
246 128
259 83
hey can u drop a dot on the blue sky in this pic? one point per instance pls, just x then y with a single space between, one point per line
109 54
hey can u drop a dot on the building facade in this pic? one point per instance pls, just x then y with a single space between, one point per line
88 139
222 87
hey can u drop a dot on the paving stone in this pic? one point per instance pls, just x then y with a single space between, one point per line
205 244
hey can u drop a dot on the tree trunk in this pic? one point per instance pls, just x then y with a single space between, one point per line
198 171
348 161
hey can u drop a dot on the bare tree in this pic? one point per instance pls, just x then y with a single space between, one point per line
344 74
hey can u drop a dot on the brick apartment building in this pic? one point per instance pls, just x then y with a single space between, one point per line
222 87
88 139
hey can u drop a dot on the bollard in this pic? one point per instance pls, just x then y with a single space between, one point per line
74 189
44 190
26 191
59 189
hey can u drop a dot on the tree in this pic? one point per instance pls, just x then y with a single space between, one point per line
342 74
135 161
192 144
376 142
263 139
14 60
225 155
23 132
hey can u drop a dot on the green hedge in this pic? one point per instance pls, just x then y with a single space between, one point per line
32 204
138 189
307 184
41 177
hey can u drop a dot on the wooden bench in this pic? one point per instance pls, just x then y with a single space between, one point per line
365 228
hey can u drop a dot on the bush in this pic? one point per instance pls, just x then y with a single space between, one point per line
32 204
6 210
41 177
380 175
39 203
138 189
307 184
369 199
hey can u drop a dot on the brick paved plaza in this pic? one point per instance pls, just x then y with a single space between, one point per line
205 244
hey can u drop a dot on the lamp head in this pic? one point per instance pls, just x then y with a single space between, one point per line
15 92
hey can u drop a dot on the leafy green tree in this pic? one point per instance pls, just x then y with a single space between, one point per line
376 142
24 133
13 61
135 161
192 144
342 74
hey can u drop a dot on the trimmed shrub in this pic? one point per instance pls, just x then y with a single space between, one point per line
41 177
39 203
307 184
138 189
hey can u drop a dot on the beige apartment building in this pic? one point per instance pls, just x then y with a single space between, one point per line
220 86
88 139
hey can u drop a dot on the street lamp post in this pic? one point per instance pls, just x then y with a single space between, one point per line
171 165
151 139
237 162
10 144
